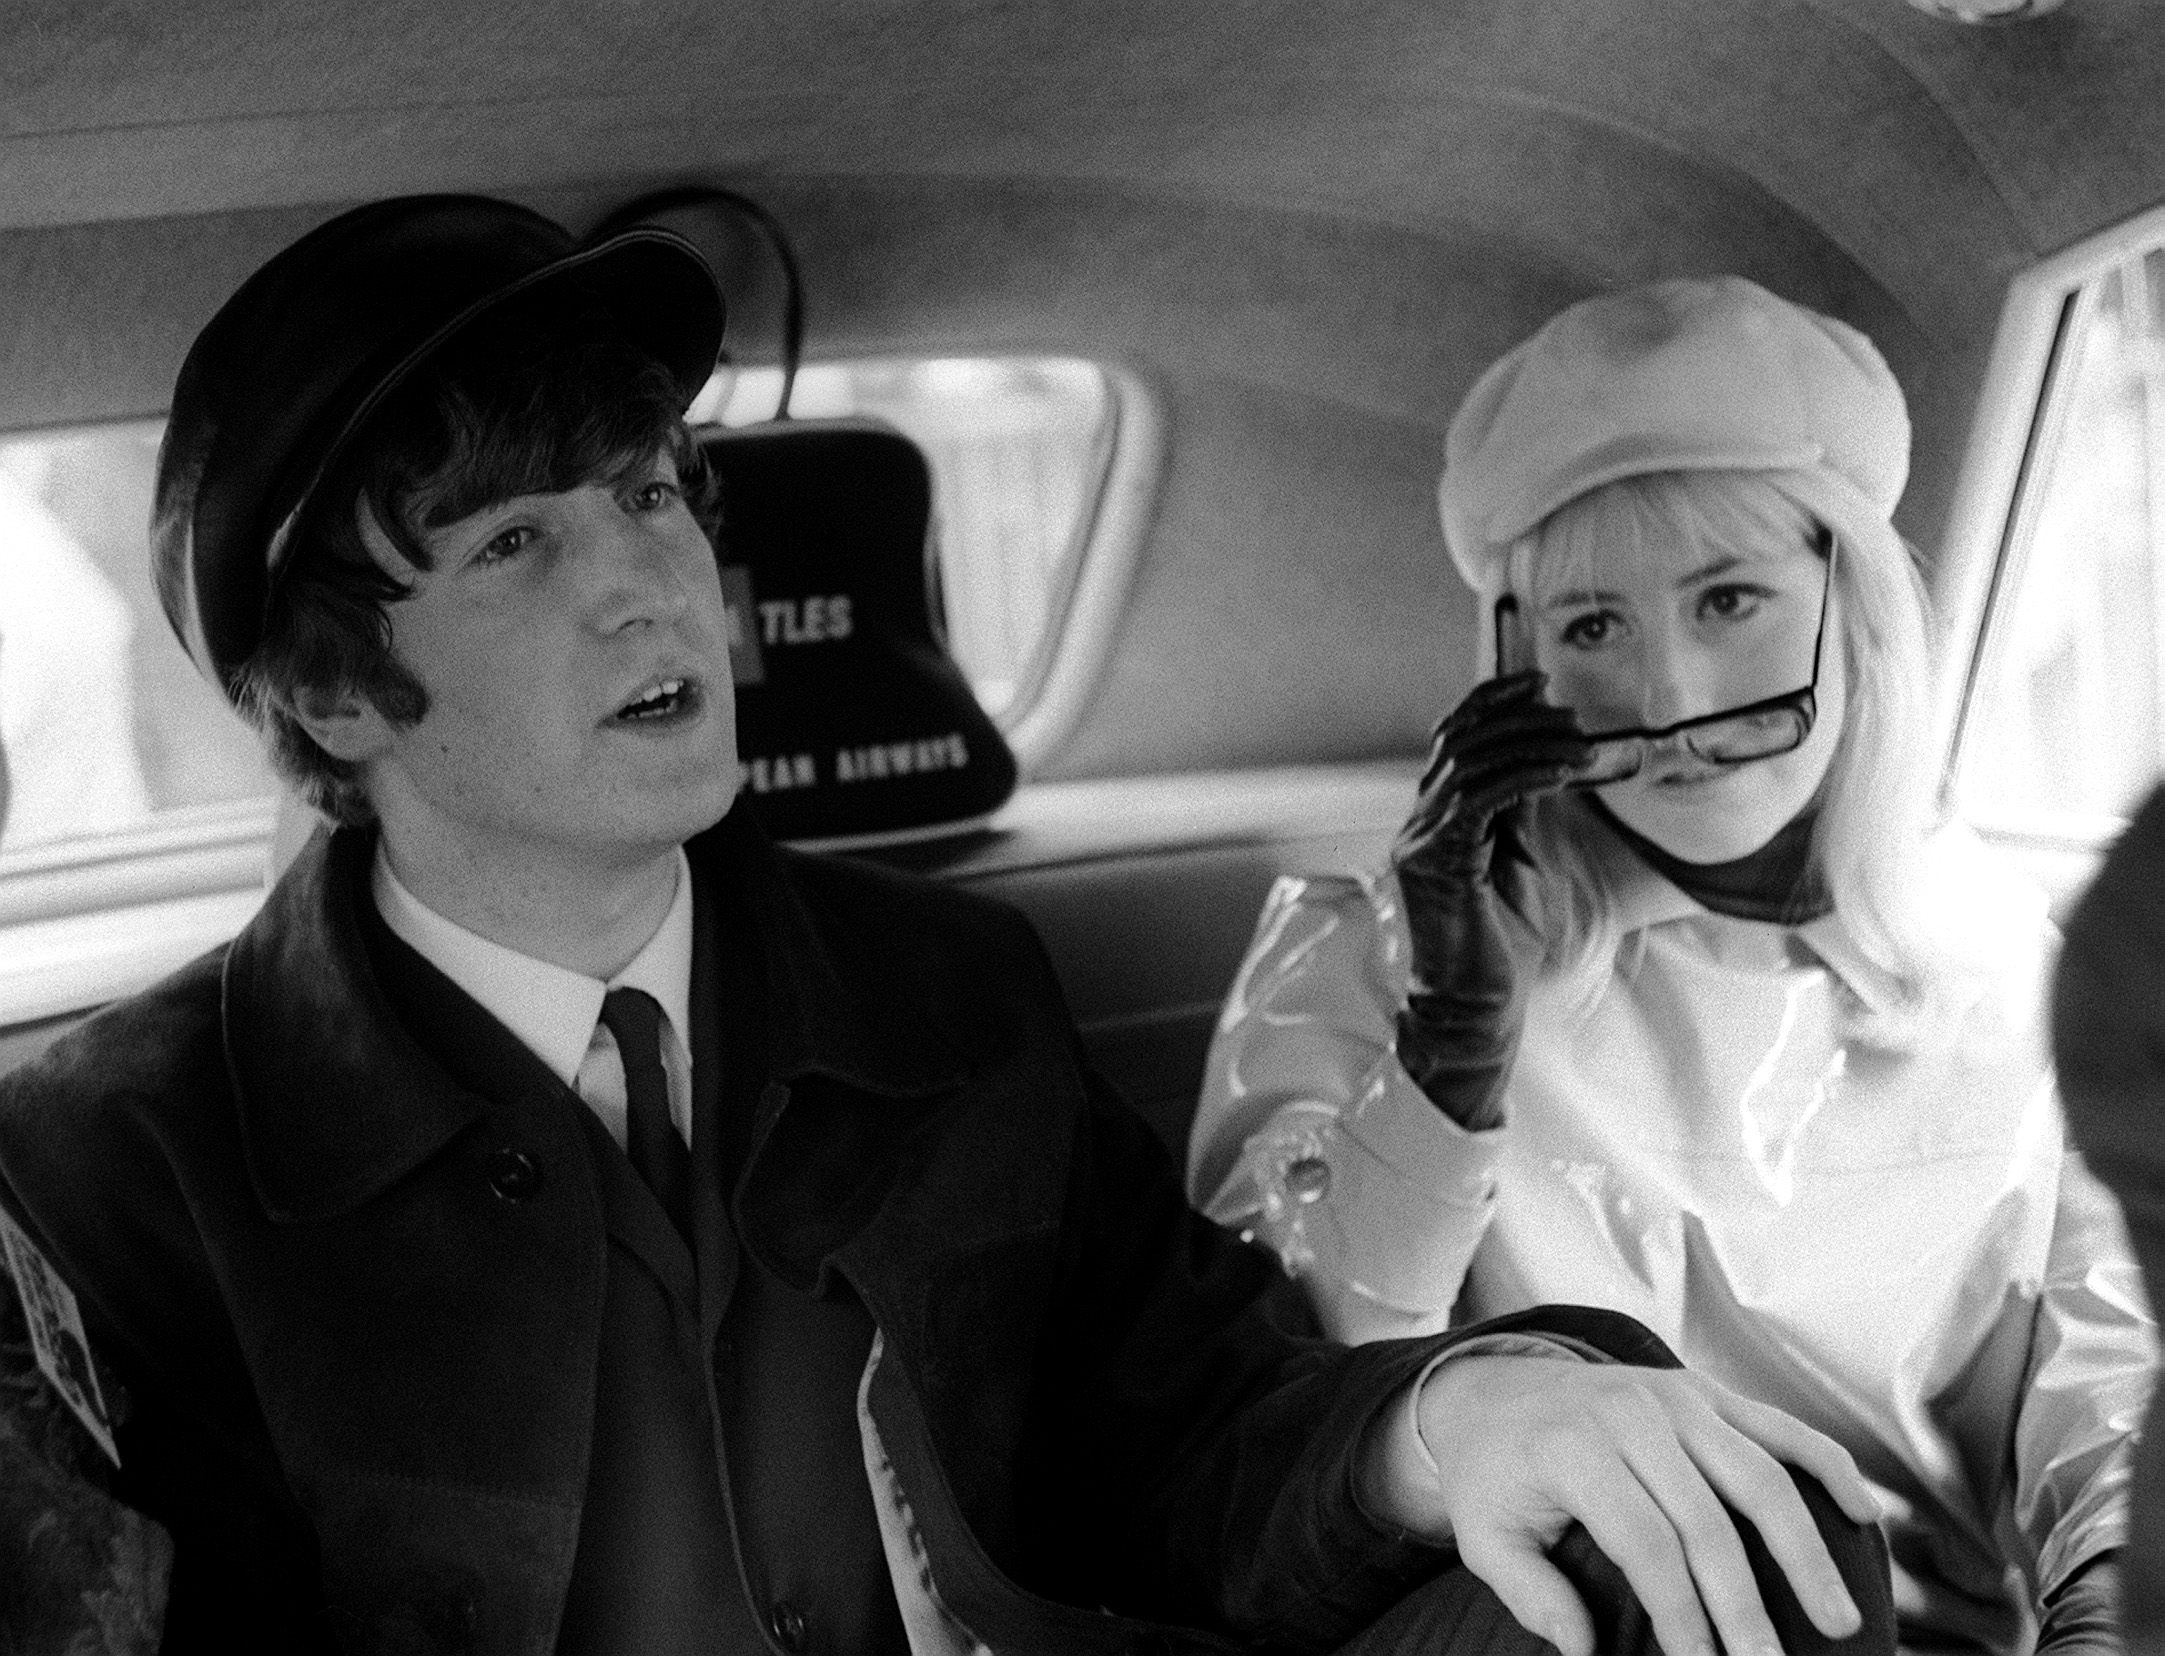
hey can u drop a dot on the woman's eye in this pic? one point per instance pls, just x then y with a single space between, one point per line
1589 631
653 495
1730 603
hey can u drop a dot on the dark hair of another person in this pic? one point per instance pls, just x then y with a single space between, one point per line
530 404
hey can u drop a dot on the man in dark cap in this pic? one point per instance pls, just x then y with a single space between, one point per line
563 1220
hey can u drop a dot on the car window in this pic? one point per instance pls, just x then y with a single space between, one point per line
1019 449
142 809
2059 695
106 725
108 728
2063 728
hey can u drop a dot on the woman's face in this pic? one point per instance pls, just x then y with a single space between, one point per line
1644 631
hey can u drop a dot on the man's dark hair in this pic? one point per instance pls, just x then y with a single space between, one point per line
530 404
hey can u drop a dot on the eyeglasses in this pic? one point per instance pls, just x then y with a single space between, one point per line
1734 736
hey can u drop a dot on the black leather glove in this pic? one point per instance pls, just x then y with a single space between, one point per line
2080 1618
1458 1030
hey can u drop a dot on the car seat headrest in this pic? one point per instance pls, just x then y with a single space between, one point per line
853 722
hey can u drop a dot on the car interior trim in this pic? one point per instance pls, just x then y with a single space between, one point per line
1086 614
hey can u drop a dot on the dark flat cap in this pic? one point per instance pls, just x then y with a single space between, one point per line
275 388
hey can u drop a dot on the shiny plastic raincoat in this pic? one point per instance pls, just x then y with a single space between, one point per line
1896 1246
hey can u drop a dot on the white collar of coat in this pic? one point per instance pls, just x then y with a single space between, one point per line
1645 899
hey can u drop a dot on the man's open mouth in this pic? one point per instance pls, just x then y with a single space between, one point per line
664 699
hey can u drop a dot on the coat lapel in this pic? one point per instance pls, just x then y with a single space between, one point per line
855 1061
839 998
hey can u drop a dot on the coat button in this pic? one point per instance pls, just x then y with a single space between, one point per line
513 1174
786 1622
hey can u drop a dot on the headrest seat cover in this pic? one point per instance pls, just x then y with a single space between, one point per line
854 723
288 371
1689 374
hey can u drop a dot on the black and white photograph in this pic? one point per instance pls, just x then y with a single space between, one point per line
1082 827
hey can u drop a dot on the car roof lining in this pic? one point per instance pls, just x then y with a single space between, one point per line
1126 89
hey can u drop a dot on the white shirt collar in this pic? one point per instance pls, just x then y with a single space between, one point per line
550 1008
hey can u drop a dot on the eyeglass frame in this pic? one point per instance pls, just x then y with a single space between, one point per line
1803 702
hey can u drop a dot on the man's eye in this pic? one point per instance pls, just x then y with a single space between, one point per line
654 495
509 543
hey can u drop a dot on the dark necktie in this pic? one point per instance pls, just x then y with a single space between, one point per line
651 1138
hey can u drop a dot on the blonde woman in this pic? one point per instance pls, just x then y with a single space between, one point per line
1676 999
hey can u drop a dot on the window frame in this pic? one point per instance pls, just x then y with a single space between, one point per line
1085 616
1104 549
2023 409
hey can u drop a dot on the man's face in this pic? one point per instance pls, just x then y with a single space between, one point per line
575 652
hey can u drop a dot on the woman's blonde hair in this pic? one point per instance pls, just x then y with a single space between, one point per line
1876 804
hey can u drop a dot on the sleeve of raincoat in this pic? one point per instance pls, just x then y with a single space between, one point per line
1310 1137
2093 1348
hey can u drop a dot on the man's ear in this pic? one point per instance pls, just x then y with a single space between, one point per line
344 723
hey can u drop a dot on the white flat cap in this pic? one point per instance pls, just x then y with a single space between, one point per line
1690 374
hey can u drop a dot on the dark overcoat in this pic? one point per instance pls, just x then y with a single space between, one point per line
353 1308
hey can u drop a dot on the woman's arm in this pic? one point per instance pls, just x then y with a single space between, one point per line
1311 1137
2093 1353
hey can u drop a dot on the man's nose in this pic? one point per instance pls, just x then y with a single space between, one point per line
636 575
